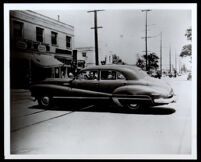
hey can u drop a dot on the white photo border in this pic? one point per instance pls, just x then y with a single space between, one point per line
84 6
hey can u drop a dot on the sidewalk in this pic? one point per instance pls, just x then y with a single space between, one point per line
20 94
19 90
178 78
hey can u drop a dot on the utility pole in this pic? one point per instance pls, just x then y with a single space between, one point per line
175 63
161 52
146 11
170 59
96 34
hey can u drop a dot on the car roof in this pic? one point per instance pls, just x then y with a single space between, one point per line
130 72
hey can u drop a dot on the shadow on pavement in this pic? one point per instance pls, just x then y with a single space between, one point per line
105 108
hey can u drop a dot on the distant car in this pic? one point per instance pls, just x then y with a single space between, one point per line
170 75
189 77
156 74
126 86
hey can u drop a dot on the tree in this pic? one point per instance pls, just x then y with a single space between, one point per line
152 60
189 34
141 63
117 60
186 50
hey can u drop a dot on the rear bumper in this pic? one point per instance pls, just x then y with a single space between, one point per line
165 100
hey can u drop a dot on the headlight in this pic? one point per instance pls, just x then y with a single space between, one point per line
172 92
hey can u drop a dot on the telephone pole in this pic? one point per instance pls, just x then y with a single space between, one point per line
146 11
170 59
175 63
161 52
96 34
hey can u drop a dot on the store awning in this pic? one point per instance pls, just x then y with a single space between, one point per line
64 56
46 61
42 60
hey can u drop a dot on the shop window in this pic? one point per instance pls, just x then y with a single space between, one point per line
54 38
18 29
39 34
68 42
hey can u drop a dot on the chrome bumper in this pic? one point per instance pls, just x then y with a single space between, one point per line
165 100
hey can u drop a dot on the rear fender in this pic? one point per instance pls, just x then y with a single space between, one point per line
135 90
132 94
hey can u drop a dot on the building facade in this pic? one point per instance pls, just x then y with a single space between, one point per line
85 57
40 47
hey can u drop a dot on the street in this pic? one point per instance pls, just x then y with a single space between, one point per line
91 130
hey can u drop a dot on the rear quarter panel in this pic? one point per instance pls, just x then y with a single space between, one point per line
135 90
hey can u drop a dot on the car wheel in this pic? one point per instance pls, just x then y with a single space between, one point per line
44 101
133 106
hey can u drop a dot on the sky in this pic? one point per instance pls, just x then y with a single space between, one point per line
123 30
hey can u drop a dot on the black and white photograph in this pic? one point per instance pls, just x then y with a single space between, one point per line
100 81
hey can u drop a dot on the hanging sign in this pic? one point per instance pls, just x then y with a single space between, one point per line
41 48
21 44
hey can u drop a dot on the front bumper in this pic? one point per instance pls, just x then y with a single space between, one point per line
165 100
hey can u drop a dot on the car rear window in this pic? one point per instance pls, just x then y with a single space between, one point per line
139 73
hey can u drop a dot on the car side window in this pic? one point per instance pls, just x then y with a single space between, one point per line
88 75
108 75
120 76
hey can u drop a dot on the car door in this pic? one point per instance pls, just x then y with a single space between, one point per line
87 80
110 80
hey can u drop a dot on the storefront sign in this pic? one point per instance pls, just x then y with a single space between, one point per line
21 44
41 48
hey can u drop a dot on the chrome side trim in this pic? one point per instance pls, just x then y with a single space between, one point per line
165 100
133 98
116 101
77 97
124 98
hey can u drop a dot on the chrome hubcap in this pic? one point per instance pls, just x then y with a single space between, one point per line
45 100
133 106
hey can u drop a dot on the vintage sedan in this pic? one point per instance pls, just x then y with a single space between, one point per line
126 86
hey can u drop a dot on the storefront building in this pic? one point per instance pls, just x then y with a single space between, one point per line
85 57
40 47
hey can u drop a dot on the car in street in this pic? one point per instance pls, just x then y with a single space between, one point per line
127 86
189 77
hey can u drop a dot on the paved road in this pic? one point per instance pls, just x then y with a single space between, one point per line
93 131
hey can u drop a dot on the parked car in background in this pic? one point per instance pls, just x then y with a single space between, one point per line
156 74
127 86
189 77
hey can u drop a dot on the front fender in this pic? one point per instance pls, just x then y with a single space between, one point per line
50 89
